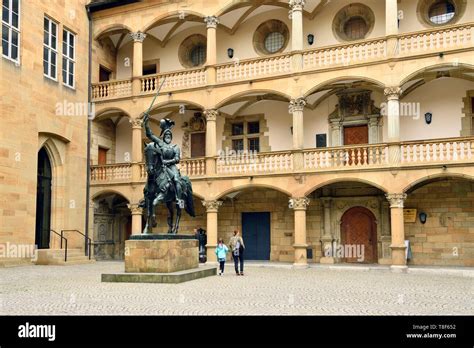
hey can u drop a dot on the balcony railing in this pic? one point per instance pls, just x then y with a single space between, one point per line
359 157
366 51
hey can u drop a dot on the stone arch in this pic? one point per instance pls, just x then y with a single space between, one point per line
319 86
417 71
433 177
237 95
157 19
56 152
247 186
111 28
345 179
107 191
103 113
173 102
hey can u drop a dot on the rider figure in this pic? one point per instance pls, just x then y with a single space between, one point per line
170 153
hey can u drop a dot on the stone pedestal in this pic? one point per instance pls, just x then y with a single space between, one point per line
161 253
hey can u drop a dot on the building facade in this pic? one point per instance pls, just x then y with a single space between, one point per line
43 126
318 128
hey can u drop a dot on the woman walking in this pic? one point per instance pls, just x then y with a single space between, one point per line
237 246
221 252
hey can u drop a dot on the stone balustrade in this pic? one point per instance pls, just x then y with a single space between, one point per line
182 79
437 151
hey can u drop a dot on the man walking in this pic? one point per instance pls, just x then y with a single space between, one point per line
237 246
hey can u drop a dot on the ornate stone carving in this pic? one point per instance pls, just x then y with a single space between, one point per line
138 36
297 104
136 122
298 203
211 114
135 209
393 92
396 199
212 206
211 21
197 123
297 5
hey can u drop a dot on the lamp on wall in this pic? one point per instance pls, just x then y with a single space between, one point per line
428 117
310 39
423 217
230 53
291 130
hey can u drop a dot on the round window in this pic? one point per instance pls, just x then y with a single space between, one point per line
442 12
274 42
355 28
198 55
271 37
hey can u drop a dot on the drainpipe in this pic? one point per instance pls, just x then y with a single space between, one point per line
89 125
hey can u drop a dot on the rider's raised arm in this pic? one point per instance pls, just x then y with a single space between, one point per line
149 133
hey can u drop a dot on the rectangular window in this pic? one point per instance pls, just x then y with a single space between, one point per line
104 74
11 29
69 40
50 48
254 144
238 144
253 127
237 128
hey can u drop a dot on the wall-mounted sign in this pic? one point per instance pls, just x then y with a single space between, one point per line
409 215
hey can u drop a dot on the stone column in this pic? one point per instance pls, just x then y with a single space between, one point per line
336 132
136 148
211 209
397 230
296 11
327 237
211 53
211 141
391 26
296 108
137 64
393 120
136 218
299 205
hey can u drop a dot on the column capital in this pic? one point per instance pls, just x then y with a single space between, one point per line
297 104
136 122
138 36
211 114
298 203
393 93
212 206
211 21
135 208
296 5
396 199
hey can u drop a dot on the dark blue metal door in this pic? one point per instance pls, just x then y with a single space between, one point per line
256 235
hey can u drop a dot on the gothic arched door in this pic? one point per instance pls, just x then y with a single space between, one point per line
358 228
43 200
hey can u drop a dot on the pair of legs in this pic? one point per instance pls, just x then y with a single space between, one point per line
238 258
221 266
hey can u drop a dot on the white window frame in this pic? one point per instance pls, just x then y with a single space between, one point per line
11 28
69 59
50 49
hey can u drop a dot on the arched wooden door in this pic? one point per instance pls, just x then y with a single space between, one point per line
43 200
358 228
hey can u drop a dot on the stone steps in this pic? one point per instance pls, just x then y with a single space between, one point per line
56 257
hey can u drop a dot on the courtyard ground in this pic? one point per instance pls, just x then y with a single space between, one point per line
276 290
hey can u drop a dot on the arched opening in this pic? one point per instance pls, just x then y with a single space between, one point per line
112 226
443 237
43 200
354 223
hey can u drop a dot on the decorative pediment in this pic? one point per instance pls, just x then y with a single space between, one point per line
354 103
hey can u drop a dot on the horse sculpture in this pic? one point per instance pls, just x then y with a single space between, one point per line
164 181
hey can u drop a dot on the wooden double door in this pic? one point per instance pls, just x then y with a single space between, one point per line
358 228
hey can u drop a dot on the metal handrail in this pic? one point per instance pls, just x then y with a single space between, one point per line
61 245
88 241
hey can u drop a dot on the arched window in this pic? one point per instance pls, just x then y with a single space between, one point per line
442 12
355 28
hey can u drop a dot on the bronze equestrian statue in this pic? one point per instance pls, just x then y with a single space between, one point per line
164 181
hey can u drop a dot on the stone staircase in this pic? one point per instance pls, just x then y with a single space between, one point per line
56 257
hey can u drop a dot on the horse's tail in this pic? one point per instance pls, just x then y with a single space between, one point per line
188 194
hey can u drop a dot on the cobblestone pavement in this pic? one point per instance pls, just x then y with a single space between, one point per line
46 290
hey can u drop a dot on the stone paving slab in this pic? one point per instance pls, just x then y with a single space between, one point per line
49 290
